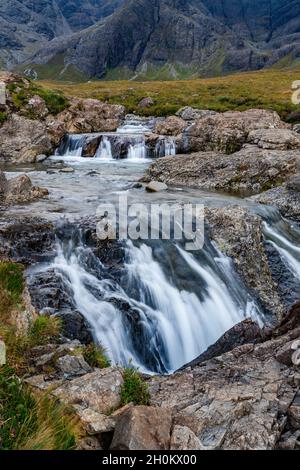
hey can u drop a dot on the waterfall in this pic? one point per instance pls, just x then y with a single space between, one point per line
137 151
71 146
165 147
156 317
104 150
170 148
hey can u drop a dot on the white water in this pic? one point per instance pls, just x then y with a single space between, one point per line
175 325
104 151
288 251
137 151
170 148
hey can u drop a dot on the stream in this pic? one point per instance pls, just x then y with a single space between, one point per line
168 305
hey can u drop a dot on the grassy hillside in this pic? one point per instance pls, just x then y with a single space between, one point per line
264 89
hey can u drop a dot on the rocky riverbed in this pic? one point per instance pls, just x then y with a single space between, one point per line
215 333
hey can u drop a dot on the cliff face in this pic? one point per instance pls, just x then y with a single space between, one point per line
170 38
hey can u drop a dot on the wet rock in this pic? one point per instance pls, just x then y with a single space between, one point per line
20 190
286 200
274 139
22 139
192 114
90 146
155 187
75 326
26 240
143 428
293 184
99 390
146 103
238 233
72 366
172 125
251 170
246 332
67 169
228 132
41 158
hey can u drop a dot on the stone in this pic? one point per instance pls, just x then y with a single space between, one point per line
146 102
100 390
296 357
93 422
143 428
249 171
89 443
293 184
172 125
75 326
274 139
287 201
20 190
155 187
41 158
183 438
37 106
192 114
22 139
2 353
67 169
294 412
73 365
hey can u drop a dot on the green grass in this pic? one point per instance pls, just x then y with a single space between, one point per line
95 356
269 89
44 330
3 117
134 389
29 422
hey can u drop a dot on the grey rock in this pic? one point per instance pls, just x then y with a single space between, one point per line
73 365
155 187
192 114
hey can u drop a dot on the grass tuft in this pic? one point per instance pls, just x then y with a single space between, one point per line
134 389
95 356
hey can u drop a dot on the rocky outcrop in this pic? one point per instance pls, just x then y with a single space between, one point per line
286 198
251 170
89 115
239 235
172 125
228 132
274 139
190 114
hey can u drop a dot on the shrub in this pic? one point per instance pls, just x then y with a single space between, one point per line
134 389
3 117
11 280
43 330
95 356
56 102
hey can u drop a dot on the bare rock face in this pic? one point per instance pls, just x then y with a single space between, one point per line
143 428
172 125
193 114
239 235
285 199
242 400
89 115
37 106
228 132
99 390
251 170
274 139
22 139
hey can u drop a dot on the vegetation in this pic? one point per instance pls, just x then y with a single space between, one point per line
32 423
27 421
264 89
134 389
3 117
95 356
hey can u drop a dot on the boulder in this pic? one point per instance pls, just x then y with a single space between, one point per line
73 365
2 353
274 139
75 326
183 438
99 390
93 422
155 187
172 125
192 114
228 132
22 139
146 102
250 171
20 190
143 428
90 115
90 146
37 106
287 201
293 184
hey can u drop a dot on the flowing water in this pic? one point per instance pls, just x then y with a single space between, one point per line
167 305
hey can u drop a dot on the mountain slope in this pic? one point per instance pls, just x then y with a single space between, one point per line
26 24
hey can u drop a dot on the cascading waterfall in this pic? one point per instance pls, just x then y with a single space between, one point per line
72 145
165 147
104 150
138 150
155 317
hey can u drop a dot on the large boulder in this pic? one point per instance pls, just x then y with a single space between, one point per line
228 132
19 190
90 115
286 198
251 170
22 139
193 114
143 428
172 125
274 139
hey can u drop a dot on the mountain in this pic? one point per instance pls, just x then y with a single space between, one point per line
27 24
168 38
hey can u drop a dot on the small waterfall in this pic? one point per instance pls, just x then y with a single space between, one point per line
71 146
170 148
165 147
157 316
137 151
104 150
